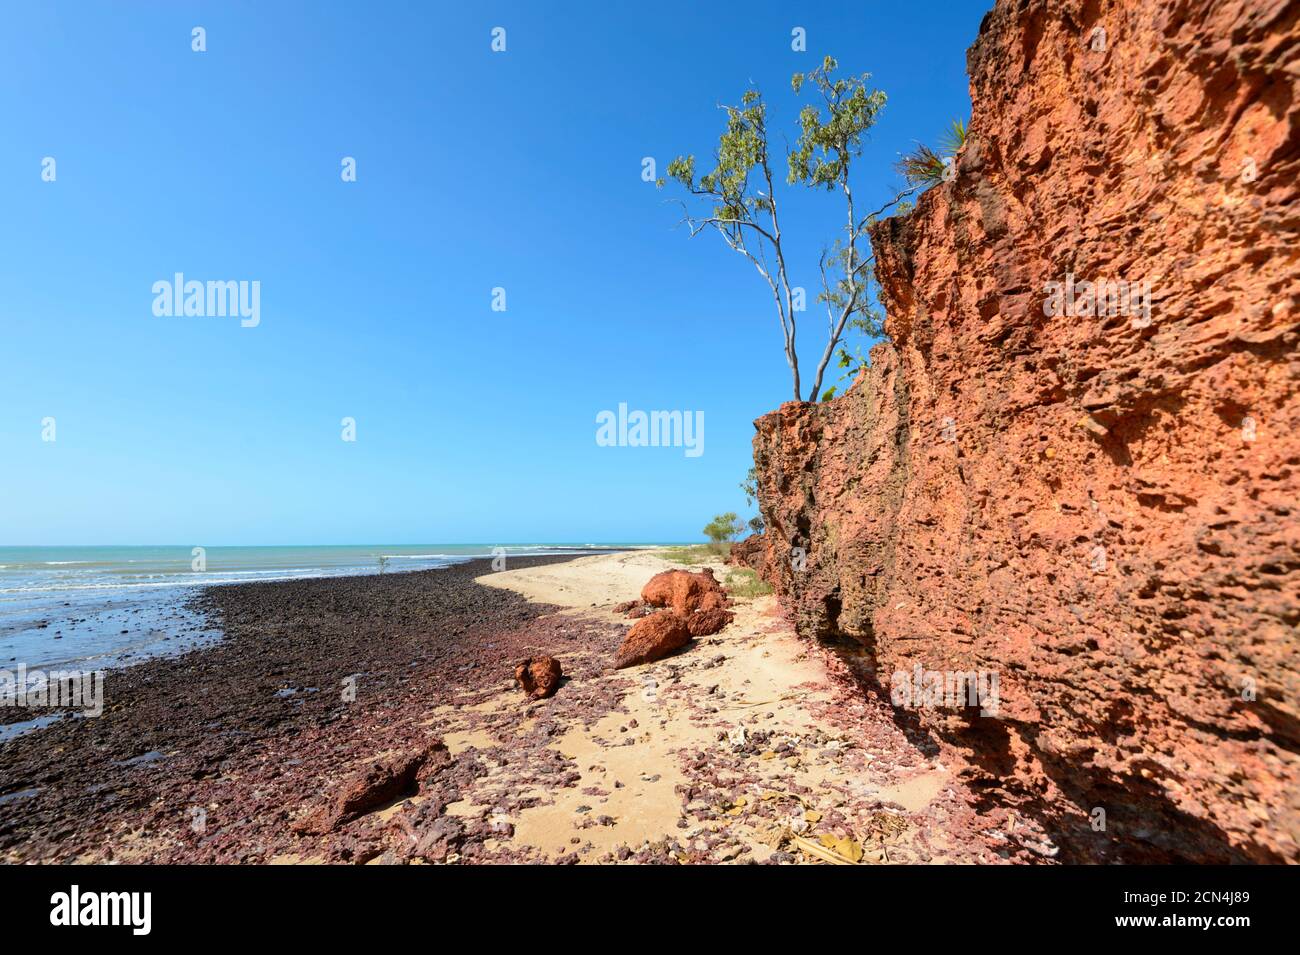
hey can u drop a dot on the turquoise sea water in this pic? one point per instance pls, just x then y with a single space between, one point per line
106 606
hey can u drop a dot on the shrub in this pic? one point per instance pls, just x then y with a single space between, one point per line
723 529
924 166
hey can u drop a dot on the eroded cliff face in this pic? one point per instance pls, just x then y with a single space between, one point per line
1102 507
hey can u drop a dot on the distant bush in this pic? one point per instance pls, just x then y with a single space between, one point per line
723 529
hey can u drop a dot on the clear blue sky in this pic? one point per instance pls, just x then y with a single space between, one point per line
475 170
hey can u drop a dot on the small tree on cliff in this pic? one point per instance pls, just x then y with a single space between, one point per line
750 487
745 213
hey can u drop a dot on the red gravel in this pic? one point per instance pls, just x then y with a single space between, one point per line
209 756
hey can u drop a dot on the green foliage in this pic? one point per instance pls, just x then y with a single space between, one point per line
924 166
723 528
741 191
822 155
750 485
825 145
868 323
691 556
741 148
383 564
745 584
955 138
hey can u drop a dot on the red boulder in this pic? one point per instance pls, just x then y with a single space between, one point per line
702 623
378 784
539 677
684 591
653 638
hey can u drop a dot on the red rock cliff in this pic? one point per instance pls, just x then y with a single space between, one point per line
1102 509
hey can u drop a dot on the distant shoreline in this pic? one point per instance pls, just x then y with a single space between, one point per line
273 681
108 607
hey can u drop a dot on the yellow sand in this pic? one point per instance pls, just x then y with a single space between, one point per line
767 680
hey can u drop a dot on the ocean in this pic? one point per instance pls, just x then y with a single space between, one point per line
99 607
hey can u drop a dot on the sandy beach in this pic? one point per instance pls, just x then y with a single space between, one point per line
723 752
750 745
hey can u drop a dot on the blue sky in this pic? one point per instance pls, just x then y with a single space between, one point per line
475 170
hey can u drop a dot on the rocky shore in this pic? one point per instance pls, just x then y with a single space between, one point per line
378 720
206 757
